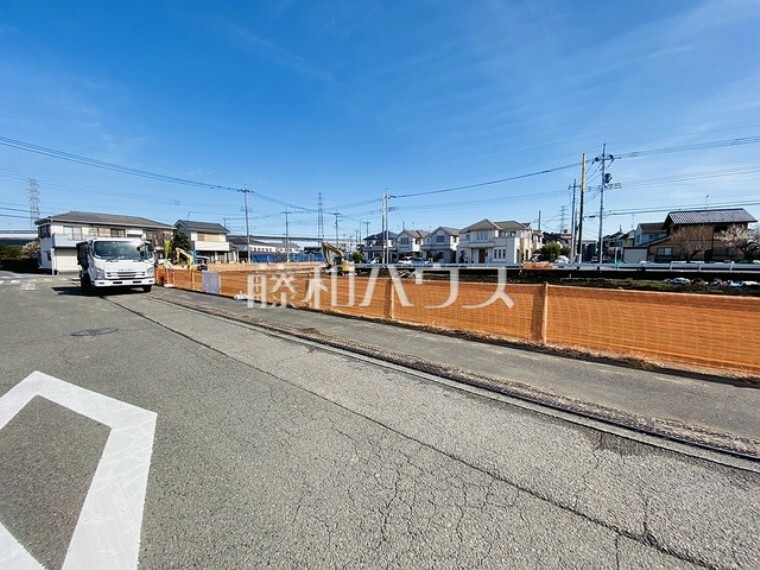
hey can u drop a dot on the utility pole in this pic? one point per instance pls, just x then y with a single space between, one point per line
245 192
320 219
539 221
337 215
573 221
287 236
605 180
562 219
34 201
367 226
580 214
383 214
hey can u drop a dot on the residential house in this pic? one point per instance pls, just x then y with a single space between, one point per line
497 243
645 234
562 238
208 240
59 235
440 245
374 244
240 245
649 231
698 235
409 243
614 245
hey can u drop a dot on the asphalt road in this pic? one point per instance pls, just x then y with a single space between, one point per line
270 451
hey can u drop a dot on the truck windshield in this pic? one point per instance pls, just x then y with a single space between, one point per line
127 250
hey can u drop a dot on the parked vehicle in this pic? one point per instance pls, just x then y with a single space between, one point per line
115 262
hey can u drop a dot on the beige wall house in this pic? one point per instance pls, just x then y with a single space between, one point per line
59 235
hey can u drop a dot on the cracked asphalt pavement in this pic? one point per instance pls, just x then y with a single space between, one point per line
271 451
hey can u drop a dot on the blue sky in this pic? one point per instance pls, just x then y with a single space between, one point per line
348 99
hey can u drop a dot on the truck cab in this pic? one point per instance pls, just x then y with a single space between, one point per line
115 262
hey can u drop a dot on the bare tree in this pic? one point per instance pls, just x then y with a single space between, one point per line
692 240
739 237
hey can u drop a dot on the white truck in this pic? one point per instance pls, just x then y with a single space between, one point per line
115 262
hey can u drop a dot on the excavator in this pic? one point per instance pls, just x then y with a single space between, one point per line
191 260
336 259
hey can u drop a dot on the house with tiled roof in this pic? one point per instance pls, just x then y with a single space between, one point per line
497 243
60 233
409 243
440 245
208 239
699 235
376 244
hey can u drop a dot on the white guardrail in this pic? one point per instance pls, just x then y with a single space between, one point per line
673 266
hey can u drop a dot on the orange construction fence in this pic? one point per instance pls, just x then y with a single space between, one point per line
698 332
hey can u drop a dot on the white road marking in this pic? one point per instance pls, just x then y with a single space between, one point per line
15 281
107 534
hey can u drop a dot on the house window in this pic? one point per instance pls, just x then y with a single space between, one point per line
439 239
404 241
665 251
43 232
513 234
72 233
483 235
118 233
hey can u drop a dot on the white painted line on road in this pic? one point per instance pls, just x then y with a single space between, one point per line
15 281
15 556
107 534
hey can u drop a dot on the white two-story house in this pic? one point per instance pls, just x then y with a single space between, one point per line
441 245
208 240
59 235
499 243
409 244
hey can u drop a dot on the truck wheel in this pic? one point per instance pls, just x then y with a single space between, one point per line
147 288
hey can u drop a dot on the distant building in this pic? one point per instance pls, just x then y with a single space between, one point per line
497 243
648 232
17 237
208 240
441 244
373 246
409 243
59 235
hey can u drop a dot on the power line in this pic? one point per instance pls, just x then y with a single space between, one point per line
690 147
53 153
62 155
488 183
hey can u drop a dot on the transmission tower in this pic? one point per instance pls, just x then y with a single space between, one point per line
34 201
320 219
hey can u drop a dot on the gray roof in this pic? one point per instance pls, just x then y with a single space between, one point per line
415 233
489 225
481 225
379 236
729 216
207 227
651 227
512 225
448 230
241 241
97 219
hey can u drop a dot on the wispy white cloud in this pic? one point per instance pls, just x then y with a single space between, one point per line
269 51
